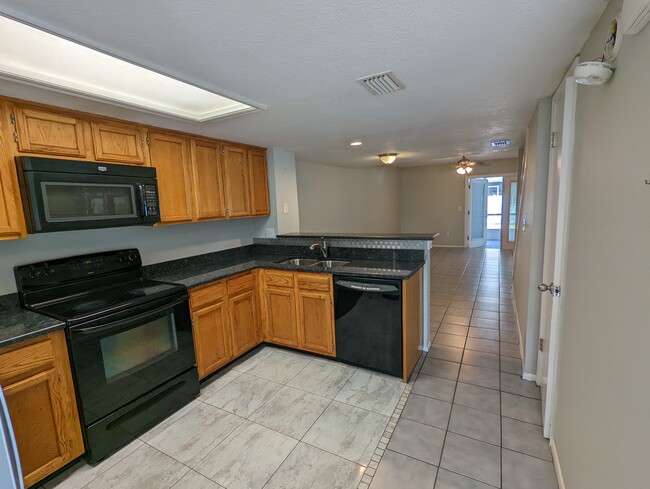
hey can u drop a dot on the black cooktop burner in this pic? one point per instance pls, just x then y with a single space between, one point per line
108 300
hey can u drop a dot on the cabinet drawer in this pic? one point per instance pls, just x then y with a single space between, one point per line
315 281
207 294
278 279
240 284
19 363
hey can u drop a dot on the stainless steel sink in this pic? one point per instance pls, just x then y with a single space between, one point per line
301 262
329 264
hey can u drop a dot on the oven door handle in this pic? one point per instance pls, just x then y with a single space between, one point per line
122 322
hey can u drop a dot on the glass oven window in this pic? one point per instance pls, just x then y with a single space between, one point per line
129 351
67 201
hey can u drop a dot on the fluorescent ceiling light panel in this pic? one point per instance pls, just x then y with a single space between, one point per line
36 57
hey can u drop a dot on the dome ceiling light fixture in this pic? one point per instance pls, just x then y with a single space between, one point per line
387 158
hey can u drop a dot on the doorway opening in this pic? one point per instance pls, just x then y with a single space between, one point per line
491 203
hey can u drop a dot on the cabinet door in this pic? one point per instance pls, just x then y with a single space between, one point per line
119 143
12 222
207 173
316 322
211 331
44 132
37 383
236 177
170 157
259 183
281 316
244 321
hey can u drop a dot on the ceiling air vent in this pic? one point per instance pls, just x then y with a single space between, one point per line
382 83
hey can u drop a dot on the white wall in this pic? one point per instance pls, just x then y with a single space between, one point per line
355 200
432 199
529 252
283 190
602 427
155 243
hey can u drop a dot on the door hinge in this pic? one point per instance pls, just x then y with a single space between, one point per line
554 137
223 152
16 137
467 238
541 344
12 118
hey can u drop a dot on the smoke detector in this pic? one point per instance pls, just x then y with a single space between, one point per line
593 73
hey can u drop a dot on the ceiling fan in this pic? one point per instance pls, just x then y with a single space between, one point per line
464 166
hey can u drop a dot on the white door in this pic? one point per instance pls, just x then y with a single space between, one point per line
559 184
477 216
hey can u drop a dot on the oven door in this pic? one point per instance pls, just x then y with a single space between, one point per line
66 201
120 358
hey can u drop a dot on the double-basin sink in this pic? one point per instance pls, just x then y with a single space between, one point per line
309 262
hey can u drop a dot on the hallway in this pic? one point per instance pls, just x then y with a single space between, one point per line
470 421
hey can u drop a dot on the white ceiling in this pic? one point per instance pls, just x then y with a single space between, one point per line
473 69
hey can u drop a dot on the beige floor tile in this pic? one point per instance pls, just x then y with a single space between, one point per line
313 468
247 458
347 431
325 379
244 395
379 394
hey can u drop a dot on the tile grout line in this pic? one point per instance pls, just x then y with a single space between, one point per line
382 445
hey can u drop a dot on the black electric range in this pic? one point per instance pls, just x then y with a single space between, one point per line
130 341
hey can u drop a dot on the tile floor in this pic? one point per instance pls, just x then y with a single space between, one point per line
274 419
281 419
470 421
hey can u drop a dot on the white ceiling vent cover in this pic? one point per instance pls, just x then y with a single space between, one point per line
382 83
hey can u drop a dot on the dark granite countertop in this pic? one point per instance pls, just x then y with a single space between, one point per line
17 324
200 273
388 236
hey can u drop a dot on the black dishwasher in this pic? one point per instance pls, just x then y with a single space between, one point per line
369 323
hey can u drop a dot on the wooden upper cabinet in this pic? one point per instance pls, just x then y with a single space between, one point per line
170 155
236 178
12 222
207 174
49 133
259 183
119 143
37 383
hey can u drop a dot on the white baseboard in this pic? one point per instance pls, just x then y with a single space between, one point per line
446 246
556 464
521 343
527 376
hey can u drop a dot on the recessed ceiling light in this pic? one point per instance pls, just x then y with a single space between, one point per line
501 143
35 57
356 143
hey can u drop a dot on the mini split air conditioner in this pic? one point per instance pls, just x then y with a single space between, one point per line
636 14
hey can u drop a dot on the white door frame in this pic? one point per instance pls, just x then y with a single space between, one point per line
560 247
468 201
468 207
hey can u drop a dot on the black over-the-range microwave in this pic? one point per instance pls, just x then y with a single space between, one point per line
61 195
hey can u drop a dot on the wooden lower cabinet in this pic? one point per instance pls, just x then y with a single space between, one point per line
211 331
281 321
225 321
37 382
244 313
298 311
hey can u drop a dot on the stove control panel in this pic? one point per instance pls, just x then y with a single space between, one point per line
61 271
